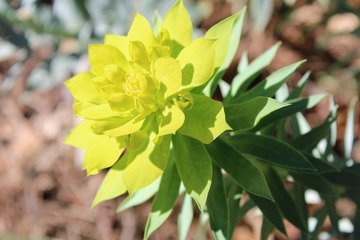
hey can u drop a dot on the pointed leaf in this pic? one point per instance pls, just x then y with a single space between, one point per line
271 212
297 90
168 71
140 196
242 116
320 216
151 159
346 177
334 218
321 165
185 217
217 205
270 150
197 62
101 151
194 167
251 178
283 199
205 120
112 185
101 55
173 118
316 182
349 128
140 30
227 33
165 198
83 89
270 85
178 23
310 140
296 105
120 42
266 229
242 81
234 194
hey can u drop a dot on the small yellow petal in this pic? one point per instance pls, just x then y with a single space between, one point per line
146 164
121 102
82 88
205 120
173 118
178 23
158 51
140 30
197 62
168 71
137 140
120 42
139 54
112 185
125 129
101 55
93 111
101 151
222 33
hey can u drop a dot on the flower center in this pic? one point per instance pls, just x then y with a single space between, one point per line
131 84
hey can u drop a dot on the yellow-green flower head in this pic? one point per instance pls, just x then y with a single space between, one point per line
138 93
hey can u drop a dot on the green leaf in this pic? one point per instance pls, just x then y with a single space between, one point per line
271 212
165 198
248 176
307 142
316 182
217 205
270 150
356 222
152 159
299 125
346 177
261 13
243 64
139 196
297 105
334 218
349 128
299 196
243 116
242 80
205 120
266 229
270 85
320 215
112 185
185 217
322 166
194 167
231 46
197 62
245 208
284 200
234 192
158 20
297 90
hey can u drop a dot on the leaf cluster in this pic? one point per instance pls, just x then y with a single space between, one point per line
271 158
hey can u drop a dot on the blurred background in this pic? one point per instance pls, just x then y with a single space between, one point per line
44 194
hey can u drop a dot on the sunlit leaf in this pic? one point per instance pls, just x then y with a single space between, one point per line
194 167
165 198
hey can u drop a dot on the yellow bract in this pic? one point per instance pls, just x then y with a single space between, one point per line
138 92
